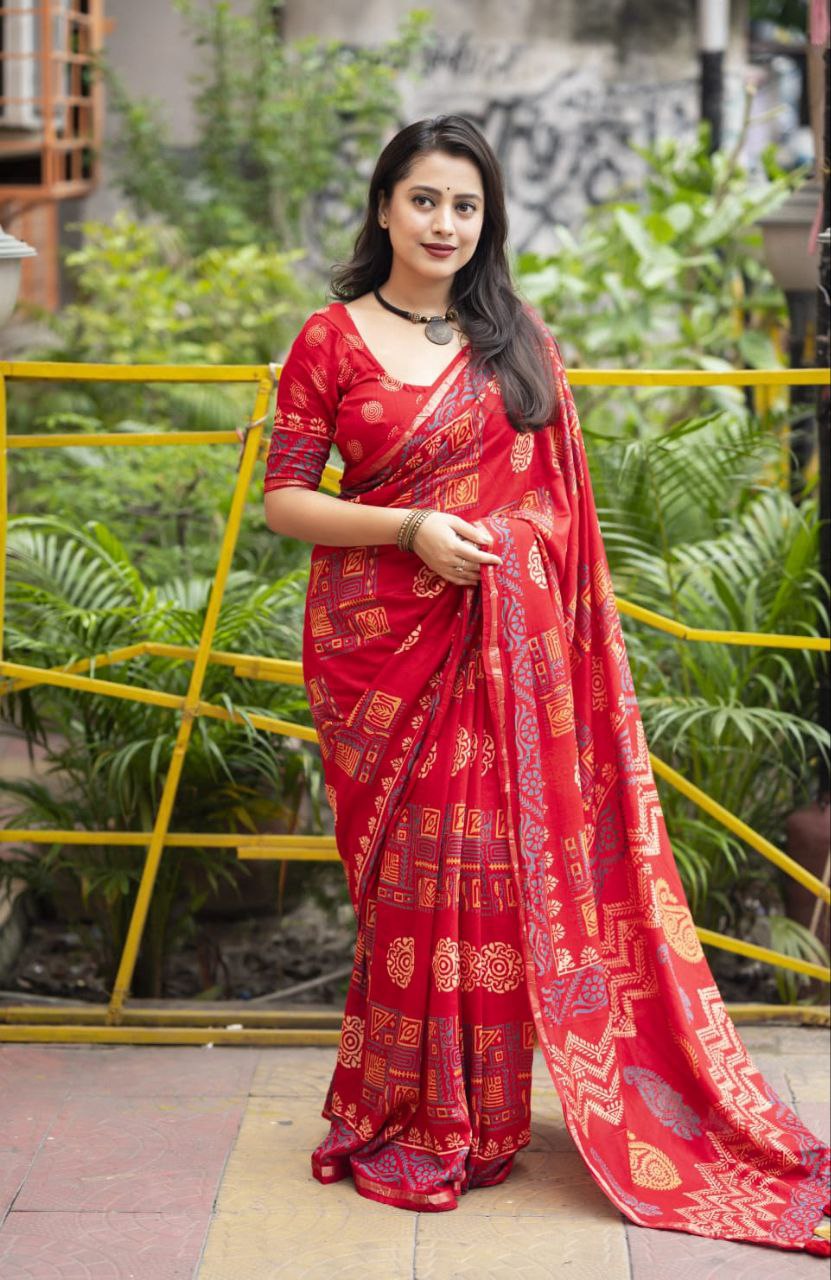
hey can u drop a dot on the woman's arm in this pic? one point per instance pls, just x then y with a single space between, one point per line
304 427
308 396
312 516
442 541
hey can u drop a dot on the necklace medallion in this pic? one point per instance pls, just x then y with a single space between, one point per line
438 330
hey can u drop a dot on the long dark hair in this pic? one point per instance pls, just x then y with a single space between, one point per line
504 338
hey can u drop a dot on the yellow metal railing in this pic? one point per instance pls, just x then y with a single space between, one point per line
118 1022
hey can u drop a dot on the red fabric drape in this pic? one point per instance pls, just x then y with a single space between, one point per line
502 836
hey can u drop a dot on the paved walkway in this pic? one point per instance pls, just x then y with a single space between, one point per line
175 1163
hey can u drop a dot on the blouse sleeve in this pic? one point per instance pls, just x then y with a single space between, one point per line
306 412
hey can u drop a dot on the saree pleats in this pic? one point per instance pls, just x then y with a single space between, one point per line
502 836
446 1050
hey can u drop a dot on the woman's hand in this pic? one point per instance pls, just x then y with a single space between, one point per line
444 542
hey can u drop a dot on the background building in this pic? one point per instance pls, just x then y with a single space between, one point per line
560 87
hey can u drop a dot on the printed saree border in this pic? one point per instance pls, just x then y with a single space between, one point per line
403 1198
493 667
420 1201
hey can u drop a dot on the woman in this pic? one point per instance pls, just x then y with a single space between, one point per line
484 756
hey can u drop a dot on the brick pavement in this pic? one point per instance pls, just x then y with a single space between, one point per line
189 1163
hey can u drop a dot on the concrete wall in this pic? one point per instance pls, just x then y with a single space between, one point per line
559 86
655 27
151 48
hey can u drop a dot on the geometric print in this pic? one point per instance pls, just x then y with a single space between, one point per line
502 837
625 950
736 1080
343 609
451 858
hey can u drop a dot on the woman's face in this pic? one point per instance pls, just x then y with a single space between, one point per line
439 203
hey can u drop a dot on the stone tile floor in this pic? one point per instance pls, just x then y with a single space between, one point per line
157 1163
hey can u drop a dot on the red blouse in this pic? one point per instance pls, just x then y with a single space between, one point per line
329 380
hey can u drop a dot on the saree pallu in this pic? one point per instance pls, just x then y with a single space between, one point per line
508 860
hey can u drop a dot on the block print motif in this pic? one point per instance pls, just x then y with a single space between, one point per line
664 1102
575 995
351 1042
401 960
735 1198
445 1097
391 1057
497 966
499 1062
650 1167
627 963
736 1081
328 720
588 1078
363 739
678 924
455 858
536 569
445 964
343 609
444 471
522 451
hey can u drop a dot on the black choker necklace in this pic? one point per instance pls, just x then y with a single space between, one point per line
437 328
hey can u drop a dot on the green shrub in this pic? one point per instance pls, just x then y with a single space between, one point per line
692 495
73 593
284 132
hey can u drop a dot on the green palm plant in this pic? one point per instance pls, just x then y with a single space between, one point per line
227 305
75 592
691 491
167 503
693 532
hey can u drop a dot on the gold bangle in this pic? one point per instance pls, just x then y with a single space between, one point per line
412 528
416 525
403 529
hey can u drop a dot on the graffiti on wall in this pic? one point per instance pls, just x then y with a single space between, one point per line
562 151
563 137
563 144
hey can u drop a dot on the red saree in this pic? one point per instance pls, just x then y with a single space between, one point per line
502 837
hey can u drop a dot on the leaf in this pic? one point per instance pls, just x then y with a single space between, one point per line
757 350
634 232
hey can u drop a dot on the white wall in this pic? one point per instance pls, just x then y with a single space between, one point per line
558 86
151 49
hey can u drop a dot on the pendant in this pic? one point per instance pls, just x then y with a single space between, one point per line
438 330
